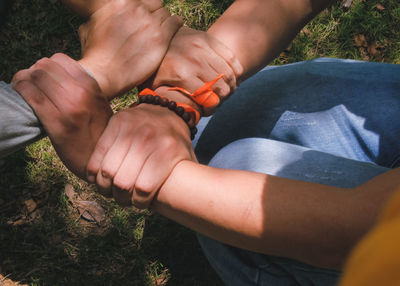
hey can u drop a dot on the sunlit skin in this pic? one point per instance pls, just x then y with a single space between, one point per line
256 211
313 223
114 41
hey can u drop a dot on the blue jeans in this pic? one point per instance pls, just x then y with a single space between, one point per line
328 121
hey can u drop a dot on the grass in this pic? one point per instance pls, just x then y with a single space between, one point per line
52 245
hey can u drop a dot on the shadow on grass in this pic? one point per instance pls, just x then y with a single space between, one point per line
56 247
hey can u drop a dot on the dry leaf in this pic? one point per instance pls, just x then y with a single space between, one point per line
346 3
360 41
306 32
17 222
380 7
30 205
162 280
70 193
4 281
89 210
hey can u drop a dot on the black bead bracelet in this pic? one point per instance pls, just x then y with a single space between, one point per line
173 106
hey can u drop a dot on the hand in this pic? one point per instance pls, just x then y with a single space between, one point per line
137 152
69 104
123 43
194 58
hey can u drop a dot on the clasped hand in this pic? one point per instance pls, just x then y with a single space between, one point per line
128 155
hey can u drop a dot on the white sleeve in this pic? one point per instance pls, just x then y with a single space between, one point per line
19 125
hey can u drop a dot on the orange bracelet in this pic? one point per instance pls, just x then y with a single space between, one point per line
190 115
204 96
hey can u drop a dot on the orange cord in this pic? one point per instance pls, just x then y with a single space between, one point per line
204 96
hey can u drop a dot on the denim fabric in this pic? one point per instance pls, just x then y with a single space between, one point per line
280 98
327 121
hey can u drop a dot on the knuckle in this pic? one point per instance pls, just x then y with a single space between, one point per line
143 12
107 172
147 132
37 74
144 189
158 37
200 42
43 62
20 85
58 56
18 76
230 56
92 168
184 75
169 144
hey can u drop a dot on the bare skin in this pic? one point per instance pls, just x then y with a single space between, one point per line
313 223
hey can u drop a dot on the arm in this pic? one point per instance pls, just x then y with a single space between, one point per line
257 31
69 104
252 32
310 222
124 42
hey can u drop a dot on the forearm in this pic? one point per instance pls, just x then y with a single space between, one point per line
19 126
313 223
257 31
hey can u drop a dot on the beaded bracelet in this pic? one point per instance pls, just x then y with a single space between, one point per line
190 115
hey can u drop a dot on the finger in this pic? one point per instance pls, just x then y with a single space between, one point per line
170 26
49 87
113 160
224 86
134 160
152 5
48 75
150 179
43 107
104 185
110 9
24 74
103 145
77 72
229 57
186 80
161 15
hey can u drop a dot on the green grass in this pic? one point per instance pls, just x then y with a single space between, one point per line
132 247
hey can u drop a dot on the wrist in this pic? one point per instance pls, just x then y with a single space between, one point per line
94 71
177 97
188 114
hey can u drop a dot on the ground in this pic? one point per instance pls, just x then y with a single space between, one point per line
52 227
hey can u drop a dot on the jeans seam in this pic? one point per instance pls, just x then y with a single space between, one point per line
395 162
